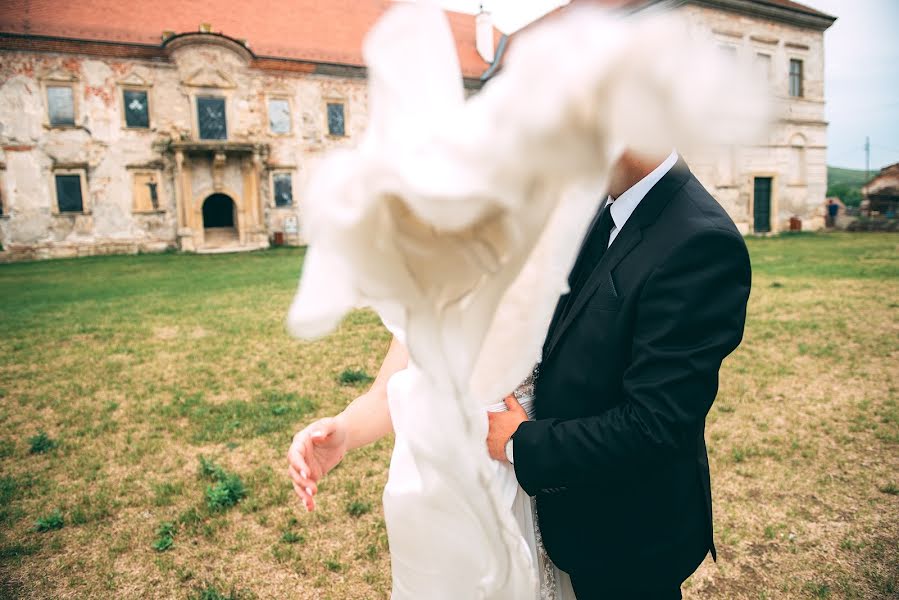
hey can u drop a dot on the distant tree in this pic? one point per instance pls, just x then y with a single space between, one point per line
850 195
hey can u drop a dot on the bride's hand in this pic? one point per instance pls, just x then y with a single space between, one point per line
315 450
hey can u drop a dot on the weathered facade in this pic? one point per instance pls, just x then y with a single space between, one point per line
194 142
763 186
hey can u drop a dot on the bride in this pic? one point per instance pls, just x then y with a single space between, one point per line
321 445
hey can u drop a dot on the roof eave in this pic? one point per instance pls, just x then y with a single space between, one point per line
760 8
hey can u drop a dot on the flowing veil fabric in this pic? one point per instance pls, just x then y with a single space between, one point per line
458 222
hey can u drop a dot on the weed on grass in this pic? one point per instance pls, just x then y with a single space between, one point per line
49 522
227 490
41 443
292 537
357 508
165 536
210 591
354 377
225 493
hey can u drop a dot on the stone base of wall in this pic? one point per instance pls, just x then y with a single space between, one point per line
15 253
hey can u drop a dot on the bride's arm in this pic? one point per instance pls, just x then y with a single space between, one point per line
367 418
321 445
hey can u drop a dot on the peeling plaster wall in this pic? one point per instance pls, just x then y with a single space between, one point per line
109 153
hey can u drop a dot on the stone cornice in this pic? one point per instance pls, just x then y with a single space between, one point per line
181 40
761 9
160 57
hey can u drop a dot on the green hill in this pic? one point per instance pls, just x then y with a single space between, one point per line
846 184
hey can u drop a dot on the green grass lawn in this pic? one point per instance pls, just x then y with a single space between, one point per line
147 402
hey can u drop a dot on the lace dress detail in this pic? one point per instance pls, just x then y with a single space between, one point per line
546 571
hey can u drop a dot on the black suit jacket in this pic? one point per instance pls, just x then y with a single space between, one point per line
616 456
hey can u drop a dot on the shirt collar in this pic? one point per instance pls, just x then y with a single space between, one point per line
624 205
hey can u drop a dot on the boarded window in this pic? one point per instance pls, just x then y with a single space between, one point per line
336 124
763 66
68 193
283 184
796 78
797 160
211 118
61 105
137 109
279 115
146 192
728 52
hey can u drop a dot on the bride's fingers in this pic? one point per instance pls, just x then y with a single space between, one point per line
314 473
296 460
305 498
305 483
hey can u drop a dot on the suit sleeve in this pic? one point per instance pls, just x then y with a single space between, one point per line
690 316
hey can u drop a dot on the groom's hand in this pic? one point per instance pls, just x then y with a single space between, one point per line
502 426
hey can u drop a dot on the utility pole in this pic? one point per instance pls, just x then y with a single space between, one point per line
867 158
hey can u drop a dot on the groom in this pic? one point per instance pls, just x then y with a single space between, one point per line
616 457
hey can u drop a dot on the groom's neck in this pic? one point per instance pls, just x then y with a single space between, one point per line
630 169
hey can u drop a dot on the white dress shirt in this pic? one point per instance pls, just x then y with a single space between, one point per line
624 205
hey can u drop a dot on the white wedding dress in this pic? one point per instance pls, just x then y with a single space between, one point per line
458 220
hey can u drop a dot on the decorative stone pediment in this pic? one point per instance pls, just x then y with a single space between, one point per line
134 79
210 78
60 75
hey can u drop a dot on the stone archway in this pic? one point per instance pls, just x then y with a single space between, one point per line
220 220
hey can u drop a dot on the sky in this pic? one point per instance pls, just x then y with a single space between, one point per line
861 71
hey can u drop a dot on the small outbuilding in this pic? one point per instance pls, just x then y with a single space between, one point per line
881 194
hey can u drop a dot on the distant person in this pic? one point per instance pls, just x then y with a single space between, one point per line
832 210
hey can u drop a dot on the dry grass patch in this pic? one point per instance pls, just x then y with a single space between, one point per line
135 367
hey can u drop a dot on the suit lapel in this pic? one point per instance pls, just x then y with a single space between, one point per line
628 238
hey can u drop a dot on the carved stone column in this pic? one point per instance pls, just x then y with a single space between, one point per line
184 201
253 197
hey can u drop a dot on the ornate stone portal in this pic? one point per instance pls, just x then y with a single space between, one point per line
206 171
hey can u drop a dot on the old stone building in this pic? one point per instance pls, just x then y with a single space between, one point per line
181 125
763 186
178 125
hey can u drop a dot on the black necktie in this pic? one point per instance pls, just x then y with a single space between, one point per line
595 244
594 247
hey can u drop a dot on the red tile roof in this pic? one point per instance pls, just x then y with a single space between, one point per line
329 31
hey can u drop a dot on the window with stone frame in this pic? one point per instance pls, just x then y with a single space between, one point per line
212 123
279 115
146 192
796 83
69 192
282 188
136 103
60 105
336 119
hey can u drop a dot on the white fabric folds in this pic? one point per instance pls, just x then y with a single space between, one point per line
458 222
